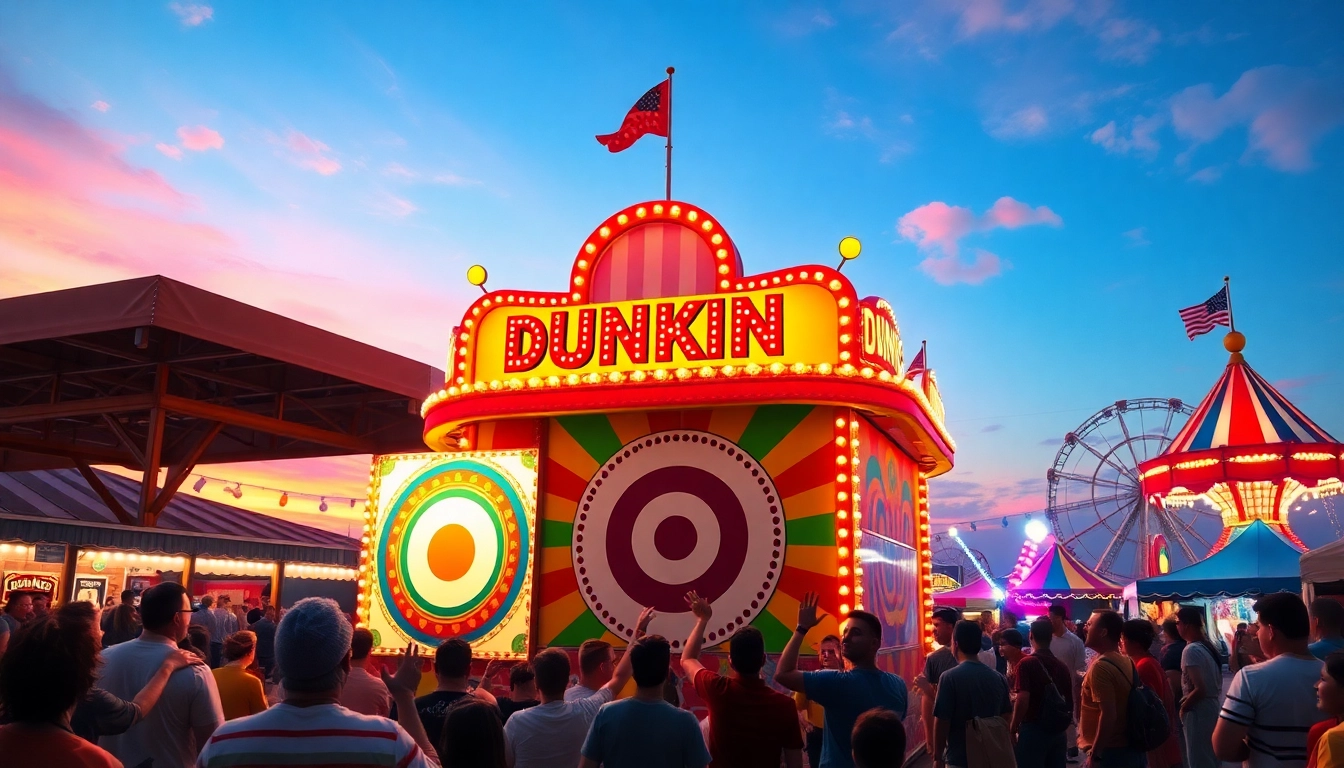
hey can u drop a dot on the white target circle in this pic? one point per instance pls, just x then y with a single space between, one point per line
475 529
672 512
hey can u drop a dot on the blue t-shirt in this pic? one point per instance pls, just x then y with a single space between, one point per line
845 696
1326 646
638 733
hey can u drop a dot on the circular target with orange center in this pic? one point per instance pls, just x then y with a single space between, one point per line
453 550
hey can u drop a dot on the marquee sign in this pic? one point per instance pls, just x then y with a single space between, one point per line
15 581
657 298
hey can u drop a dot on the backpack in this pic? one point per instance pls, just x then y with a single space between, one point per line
1055 715
1145 716
989 744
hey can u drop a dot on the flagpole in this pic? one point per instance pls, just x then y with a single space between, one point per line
1227 286
670 70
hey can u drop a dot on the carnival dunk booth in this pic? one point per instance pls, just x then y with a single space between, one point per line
665 423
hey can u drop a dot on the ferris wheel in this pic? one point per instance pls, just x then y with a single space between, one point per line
1094 504
946 551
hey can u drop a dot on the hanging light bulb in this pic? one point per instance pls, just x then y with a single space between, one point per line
323 506
284 498
1005 522
238 491
198 485
972 527
352 503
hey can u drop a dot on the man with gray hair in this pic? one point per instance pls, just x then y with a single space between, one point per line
312 650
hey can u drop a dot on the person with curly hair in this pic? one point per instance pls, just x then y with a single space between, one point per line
48 669
240 692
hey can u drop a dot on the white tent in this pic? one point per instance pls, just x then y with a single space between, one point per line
1322 566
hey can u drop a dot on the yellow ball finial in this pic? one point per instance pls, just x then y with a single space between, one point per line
476 275
1234 341
850 247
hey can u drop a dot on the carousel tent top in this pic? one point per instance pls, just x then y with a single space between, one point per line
972 595
1244 409
1320 566
1057 575
1256 561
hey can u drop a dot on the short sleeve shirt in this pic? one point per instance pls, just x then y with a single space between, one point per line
749 725
845 695
102 713
968 691
1035 674
633 733
1276 701
1109 678
1196 656
1171 656
937 663
552 733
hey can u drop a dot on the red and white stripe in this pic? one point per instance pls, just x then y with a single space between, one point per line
653 261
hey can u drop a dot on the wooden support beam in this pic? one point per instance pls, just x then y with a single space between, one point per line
91 406
266 424
125 437
153 444
89 453
181 472
96 483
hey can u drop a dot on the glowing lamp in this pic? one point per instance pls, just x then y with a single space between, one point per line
1037 531
849 249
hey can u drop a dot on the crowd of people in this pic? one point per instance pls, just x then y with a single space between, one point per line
148 686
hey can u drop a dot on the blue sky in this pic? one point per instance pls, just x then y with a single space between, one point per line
344 164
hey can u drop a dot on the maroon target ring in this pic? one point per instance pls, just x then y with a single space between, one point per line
733 538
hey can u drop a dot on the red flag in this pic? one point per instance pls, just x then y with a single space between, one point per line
917 365
649 115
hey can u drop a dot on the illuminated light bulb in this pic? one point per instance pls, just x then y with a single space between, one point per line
640 212
284 498
622 219
843 551
675 210
604 232
1037 531
844 590
844 609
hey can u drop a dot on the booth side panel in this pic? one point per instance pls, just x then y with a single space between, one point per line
889 507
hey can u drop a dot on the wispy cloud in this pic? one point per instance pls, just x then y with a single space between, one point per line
1207 175
842 122
192 14
1027 122
169 150
1140 140
1285 110
1137 237
1300 382
1053 441
446 178
389 205
991 428
308 153
100 106
802 21
199 138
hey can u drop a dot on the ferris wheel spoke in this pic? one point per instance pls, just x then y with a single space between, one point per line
1085 480
1107 460
1129 441
1166 425
1100 522
1088 503
1119 538
1173 533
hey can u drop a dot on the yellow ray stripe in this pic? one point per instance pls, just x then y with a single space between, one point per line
815 430
629 425
560 508
730 422
785 608
568 453
816 559
485 436
560 614
817 501
559 559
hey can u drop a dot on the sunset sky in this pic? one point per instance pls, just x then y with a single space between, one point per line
1039 186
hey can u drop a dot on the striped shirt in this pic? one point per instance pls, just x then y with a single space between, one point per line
327 735
1276 701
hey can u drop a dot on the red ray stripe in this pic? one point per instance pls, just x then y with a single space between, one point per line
795 582
696 419
669 262
817 469
635 262
1244 426
557 584
562 482
661 421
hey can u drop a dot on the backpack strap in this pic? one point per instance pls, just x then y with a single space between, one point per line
1133 683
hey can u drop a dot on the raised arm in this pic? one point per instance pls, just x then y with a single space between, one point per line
690 655
623 669
786 671
402 686
482 691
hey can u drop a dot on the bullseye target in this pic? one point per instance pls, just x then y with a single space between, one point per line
453 552
675 511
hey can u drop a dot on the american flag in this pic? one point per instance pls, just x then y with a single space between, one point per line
1202 318
917 366
649 115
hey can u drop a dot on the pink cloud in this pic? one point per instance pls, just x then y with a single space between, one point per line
192 14
309 153
1140 140
980 16
1286 111
1024 123
390 205
939 227
170 150
1207 175
200 138
100 105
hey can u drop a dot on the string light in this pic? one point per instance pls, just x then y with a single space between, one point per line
235 488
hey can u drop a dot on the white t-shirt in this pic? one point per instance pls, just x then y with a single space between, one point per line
190 703
1068 648
1276 700
552 733
578 693
327 734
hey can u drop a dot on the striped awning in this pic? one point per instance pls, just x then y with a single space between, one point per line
1243 409
653 261
1058 575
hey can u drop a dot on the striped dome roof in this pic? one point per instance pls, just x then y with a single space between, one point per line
1244 409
